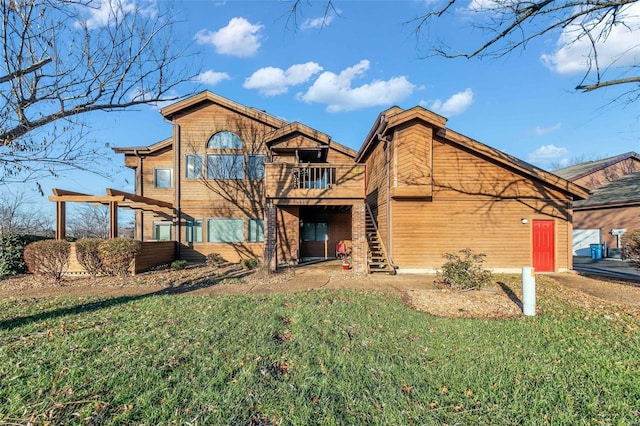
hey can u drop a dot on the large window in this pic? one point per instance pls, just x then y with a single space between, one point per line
225 166
225 140
256 230
163 178
255 167
225 230
162 231
194 231
193 166
315 231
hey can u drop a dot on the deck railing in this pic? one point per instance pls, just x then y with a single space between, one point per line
286 180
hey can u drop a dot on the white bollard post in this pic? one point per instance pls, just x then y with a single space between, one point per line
528 291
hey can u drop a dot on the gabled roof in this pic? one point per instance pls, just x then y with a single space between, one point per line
144 150
620 192
205 97
396 116
581 170
321 138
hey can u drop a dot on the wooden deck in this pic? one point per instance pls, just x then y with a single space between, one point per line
307 184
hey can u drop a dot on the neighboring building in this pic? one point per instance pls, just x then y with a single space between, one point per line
614 205
243 183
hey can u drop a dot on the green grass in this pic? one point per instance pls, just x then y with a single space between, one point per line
328 357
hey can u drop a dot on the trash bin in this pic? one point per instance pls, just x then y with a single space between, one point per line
596 251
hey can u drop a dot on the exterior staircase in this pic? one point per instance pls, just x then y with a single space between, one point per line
377 259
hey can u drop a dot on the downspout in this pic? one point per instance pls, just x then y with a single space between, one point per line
139 191
387 143
177 179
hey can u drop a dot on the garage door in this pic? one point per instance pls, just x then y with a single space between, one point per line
582 238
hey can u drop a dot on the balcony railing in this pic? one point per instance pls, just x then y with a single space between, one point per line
314 181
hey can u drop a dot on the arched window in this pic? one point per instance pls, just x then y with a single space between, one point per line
225 140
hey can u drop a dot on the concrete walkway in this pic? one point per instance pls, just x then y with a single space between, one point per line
606 267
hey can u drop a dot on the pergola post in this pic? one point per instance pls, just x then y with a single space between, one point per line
61 220
113 219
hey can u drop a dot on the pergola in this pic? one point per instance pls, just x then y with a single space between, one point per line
113 199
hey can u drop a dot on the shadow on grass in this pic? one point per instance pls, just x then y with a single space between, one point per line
183 287
507 290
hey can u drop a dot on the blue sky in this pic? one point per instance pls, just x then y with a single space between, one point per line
338 77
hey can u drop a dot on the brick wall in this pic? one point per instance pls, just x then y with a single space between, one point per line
359 238
270 240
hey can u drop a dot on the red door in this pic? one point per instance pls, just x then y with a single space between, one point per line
543 246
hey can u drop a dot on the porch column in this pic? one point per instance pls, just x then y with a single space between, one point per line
358 239
270 240
113 219
61 220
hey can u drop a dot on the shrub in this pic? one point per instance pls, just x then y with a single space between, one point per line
214 259
179 264
88 255
117 255
48 257
463 271
249 263
12 253
630 247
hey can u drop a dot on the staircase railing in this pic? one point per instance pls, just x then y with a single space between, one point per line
382 245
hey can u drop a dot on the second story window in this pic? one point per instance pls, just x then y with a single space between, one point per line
255 167
225 166
225 140
193 166
163 178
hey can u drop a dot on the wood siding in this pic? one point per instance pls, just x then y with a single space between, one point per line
609 173
346 182
412 175
423 232
151 254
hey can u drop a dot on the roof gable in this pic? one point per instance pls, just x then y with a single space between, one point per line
285 137
581 170
625 190
207 97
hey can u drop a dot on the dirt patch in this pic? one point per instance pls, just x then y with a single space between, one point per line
417 291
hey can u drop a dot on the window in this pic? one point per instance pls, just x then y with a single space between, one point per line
255 167
224 166
225 140
315 231
193 166
194 231
256 230
225 230
163 178
162 231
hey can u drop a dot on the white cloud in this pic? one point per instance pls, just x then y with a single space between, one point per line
337 92
539 131
323 21
271 81
103 13
211 77
239 38
549 154
455 105
620 48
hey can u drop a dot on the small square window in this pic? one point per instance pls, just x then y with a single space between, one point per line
163 178
194 231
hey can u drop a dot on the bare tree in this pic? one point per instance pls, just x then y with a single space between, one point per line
19 215
89 221
509 25
62 59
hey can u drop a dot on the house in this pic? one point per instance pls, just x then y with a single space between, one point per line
243 183
614 205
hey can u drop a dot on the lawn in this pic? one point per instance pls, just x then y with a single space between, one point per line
320 357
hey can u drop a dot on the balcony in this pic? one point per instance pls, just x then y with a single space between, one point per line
309 184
